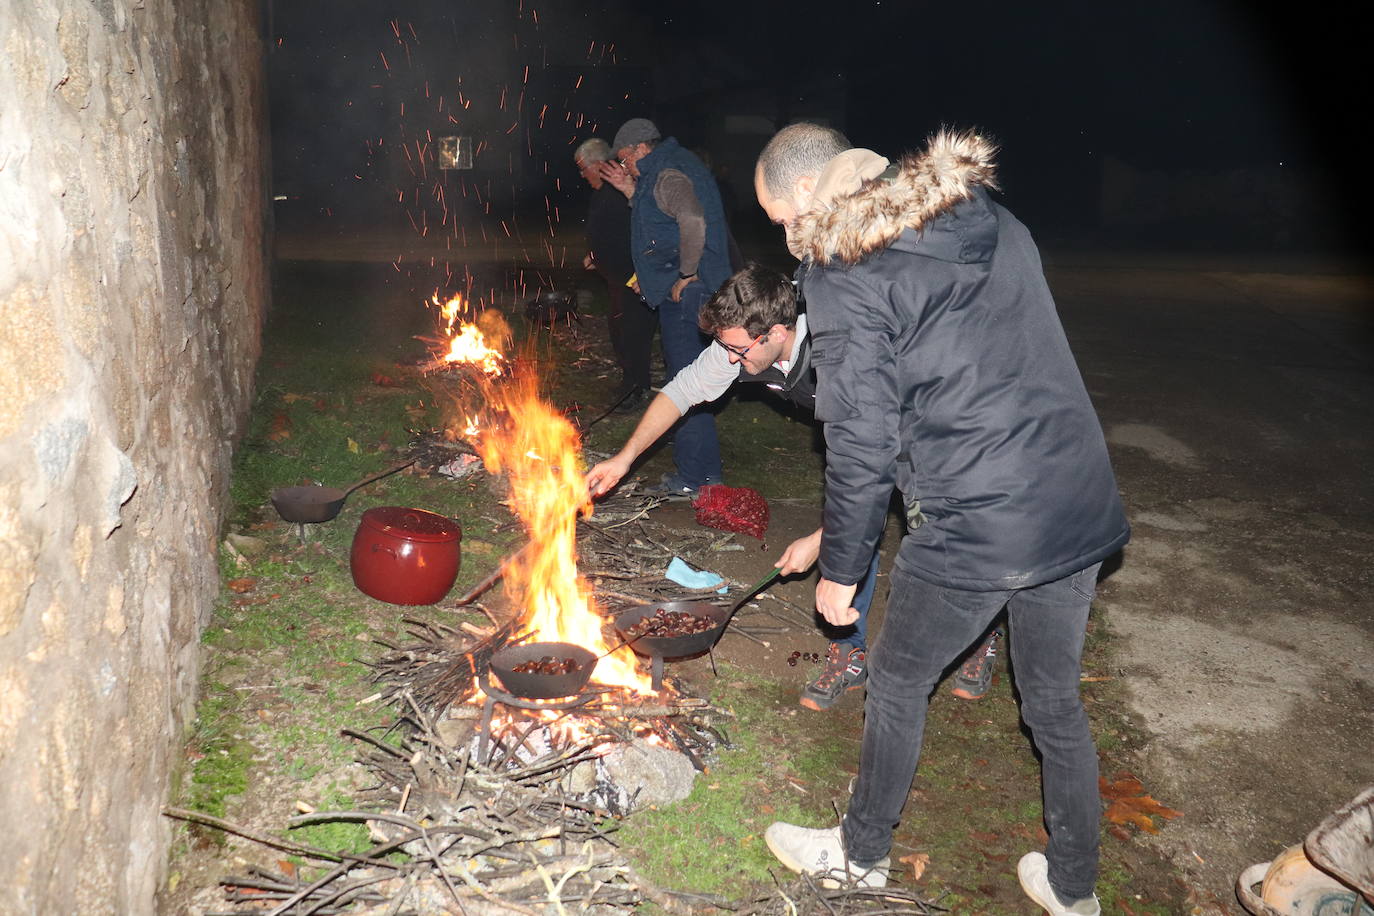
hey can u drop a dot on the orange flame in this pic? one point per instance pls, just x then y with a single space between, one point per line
537 448
469 346
469 342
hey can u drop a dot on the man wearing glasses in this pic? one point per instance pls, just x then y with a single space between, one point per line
681 250
760 338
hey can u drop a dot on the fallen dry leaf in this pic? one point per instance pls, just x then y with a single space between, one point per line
279 428
917 863
1130 804
291 397
384 381
353 446
241 585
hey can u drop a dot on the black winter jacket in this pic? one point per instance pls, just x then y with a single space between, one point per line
942 369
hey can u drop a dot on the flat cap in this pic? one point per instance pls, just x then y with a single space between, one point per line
633 131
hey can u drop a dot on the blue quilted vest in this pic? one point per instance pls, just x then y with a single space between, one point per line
654 234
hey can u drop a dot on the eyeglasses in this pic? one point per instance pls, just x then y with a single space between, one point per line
741 352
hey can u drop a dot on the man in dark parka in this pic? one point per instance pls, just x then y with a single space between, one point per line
943 371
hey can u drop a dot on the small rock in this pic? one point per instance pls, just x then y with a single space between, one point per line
582 779
660 776
246 545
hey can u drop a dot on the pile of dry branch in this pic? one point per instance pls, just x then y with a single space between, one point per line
457 834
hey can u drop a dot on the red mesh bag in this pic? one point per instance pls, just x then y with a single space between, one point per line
732 509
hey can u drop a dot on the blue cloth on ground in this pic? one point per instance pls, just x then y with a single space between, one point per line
688 577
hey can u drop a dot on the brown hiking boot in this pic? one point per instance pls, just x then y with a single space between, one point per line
846 668
974 677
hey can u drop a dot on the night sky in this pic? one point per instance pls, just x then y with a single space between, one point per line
1172 88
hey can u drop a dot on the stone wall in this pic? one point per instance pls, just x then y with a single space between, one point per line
133 282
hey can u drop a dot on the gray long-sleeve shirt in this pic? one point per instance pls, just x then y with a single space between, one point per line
711 374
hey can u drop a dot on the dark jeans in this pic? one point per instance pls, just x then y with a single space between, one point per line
927 627
631 324
856 634
696 451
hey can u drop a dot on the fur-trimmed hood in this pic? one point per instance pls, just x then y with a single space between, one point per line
849 227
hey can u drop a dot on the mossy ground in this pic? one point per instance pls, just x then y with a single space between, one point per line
338 398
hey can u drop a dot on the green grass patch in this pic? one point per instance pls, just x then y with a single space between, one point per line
713 841
338 399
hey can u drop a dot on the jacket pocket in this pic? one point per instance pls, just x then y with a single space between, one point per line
833 402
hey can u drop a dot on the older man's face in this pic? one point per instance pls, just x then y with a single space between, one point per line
590 172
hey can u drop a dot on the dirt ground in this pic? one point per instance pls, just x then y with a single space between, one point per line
1236 405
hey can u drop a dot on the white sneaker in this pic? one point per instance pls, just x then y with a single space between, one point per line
1034 872
821 852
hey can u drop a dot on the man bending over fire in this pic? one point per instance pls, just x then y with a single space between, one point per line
759 338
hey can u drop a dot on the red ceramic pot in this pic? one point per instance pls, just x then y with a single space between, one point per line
405 556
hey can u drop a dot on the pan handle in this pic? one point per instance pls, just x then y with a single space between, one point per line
380 474
753 590
749 593
377 547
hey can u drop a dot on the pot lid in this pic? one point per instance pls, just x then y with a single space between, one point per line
412 524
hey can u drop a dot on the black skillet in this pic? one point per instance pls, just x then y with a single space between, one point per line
320 504
693 643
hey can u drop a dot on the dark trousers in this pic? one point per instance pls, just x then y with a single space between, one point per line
696 450
631 324
926 629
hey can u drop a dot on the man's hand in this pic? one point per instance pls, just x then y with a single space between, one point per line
634 285
588 262
800 555
834 601
602 477
618 177
679 286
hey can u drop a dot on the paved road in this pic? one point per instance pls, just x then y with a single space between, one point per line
1237 404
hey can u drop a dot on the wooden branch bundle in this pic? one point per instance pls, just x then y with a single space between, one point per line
438 669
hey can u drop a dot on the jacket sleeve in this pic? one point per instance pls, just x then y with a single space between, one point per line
853 333
675 196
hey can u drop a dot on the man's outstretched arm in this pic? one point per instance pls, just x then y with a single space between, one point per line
658 418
